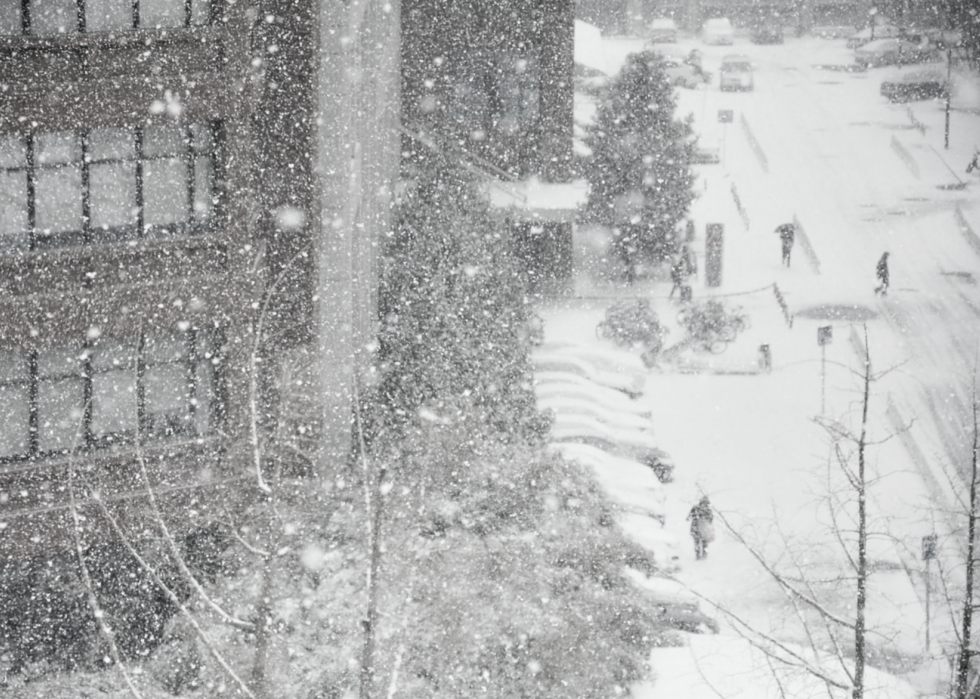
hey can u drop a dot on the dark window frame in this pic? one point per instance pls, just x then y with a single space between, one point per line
148 431
188 20
87 234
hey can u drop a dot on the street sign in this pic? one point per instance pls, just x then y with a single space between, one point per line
825 335
726 116
929 547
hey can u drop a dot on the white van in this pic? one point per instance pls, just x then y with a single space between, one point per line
719 31
736 73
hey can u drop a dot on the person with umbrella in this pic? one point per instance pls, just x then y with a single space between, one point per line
787 235
882 272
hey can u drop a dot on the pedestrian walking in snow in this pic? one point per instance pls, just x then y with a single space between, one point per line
974 164
787 236
690 260
882 271
702 529
677 265
689 231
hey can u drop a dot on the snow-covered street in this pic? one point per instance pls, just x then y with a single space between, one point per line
860 176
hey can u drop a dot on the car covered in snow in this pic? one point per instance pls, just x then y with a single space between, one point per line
630 383
718 31
706 154
736 73
885 52
868 34
680 73
766 33
663 30
914 85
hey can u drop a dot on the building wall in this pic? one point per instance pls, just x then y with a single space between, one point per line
291 238
493 76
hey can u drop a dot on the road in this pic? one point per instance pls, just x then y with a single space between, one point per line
823 146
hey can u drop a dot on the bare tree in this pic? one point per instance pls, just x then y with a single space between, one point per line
962 675
824 626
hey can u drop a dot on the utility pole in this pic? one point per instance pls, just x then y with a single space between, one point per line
825 336
949 69
928 553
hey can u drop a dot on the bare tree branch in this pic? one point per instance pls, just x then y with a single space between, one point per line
202 634
93 602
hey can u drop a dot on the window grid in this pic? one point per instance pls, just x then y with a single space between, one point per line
192 13
194 221
199 355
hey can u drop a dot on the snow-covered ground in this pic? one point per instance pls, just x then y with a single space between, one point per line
860 176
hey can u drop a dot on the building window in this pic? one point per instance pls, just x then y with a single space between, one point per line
496 90
47 17
54 401
103 185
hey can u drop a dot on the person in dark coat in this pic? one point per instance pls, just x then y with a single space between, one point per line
702 530
677 269
690 260
882 271
787 236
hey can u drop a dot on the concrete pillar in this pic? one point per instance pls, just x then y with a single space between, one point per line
357 119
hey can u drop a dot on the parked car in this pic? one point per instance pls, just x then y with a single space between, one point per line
663 30
882 31
684 74
707 154
916 85
736 73
718 31
766 34
885 52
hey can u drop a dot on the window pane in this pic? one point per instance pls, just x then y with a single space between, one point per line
58 148
167 388
59 361
59 412
53 16
112 194
111 144
108 15
9 17
202 138
519 80
165 348
13 209
114 355
58 199
14 420
13 367
161 13
203 188
13 149
113 403
165 191
164 140
200 12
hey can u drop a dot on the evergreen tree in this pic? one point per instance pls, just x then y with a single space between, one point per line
639 172
454 314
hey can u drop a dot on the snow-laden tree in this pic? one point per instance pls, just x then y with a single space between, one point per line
454 315
639 171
